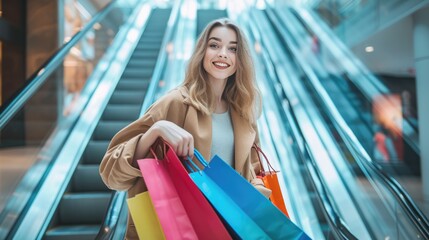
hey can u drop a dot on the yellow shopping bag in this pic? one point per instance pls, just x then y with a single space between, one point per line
144 217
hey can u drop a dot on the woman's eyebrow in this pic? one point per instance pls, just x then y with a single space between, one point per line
220 40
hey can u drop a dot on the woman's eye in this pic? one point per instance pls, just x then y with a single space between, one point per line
213 45
233 49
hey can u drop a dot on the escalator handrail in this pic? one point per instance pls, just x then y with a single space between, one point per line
360 155
333 217
39 77
337 224
362 71
117 202
403 197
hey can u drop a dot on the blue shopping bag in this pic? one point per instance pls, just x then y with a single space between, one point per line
241 225
259 210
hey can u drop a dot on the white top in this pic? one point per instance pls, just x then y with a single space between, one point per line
223 137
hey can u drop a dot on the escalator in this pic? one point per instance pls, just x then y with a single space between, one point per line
327 222
350 106
34 123
82 209
62 196
205 16
377 207
366 107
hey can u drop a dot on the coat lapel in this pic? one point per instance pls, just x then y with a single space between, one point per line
199 125
244 137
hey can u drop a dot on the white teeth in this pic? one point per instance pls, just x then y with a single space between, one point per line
220 64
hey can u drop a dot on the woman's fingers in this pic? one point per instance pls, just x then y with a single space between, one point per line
185 142
191 148
180 140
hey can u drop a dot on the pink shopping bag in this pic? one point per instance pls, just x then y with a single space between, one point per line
183 211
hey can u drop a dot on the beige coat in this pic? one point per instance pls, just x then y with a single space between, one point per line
120 173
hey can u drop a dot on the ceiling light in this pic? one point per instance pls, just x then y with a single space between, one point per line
369 49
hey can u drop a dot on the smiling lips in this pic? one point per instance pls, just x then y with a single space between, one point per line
221 65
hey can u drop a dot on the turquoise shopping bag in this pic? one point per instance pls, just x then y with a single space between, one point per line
219 180
240 224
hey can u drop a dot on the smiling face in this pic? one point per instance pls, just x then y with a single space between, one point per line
220 57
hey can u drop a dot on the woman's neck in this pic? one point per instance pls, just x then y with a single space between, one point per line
221 106
218 86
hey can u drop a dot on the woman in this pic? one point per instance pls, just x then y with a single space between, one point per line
214 110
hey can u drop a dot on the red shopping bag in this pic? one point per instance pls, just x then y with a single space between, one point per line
183 211
271 181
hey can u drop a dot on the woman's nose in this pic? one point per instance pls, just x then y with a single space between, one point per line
222 53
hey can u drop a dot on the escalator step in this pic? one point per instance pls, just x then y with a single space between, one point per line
106 130
148 40
94 152
141 63
138 73
76 232
87 178
121 112
132 85
145 54
127 97
148 47
83 208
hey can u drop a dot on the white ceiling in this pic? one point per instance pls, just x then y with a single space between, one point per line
393 49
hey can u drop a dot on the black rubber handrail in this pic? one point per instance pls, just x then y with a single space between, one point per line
39 77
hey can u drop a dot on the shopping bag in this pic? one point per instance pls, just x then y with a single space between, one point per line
274 223
271 181
241 226
144 217
183 211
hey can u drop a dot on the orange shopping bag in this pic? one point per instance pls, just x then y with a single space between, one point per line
271 181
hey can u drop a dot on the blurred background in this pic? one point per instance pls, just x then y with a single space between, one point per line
344 86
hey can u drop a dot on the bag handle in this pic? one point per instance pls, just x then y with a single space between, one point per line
191 166
164 146
270 167
200 158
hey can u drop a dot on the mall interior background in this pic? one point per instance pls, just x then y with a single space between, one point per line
387 39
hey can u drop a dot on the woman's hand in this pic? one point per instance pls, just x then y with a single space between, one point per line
179 139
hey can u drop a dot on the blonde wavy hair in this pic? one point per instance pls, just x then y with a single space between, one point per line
241 92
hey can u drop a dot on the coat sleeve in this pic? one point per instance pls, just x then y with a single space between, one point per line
117 168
